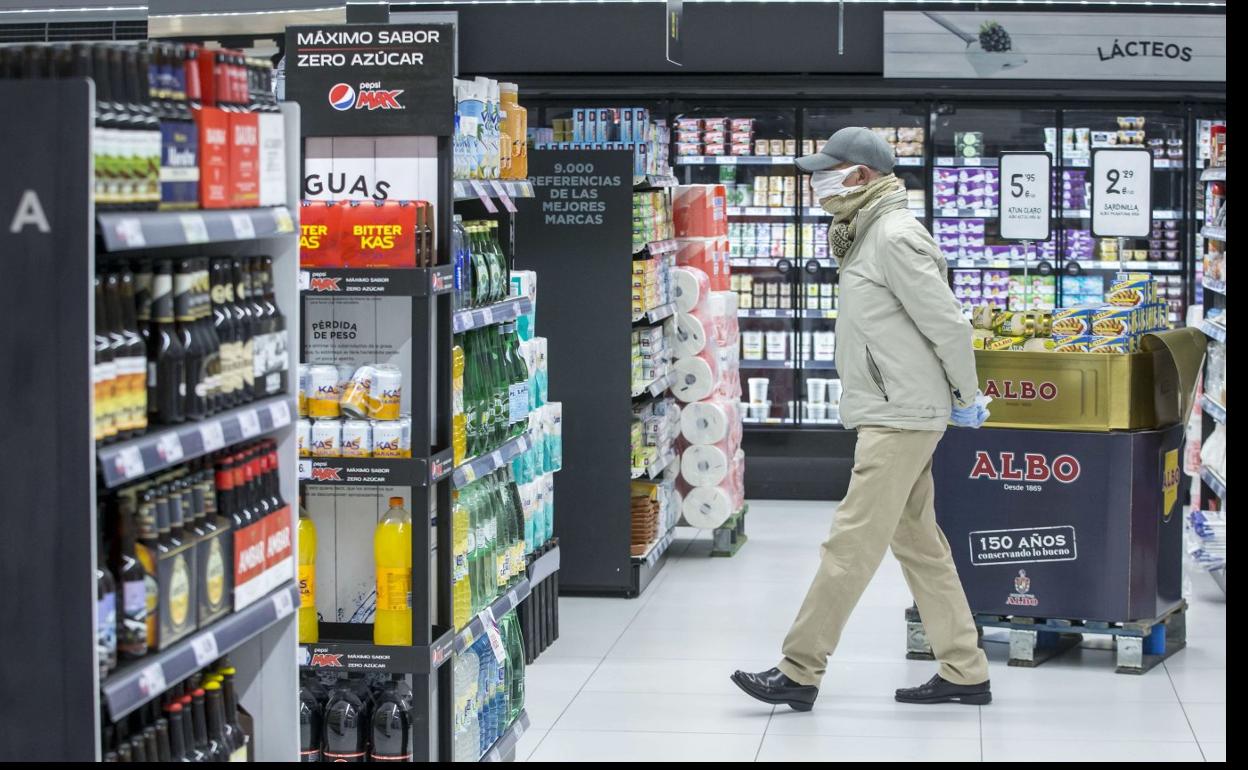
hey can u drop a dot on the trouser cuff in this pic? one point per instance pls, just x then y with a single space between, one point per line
794 672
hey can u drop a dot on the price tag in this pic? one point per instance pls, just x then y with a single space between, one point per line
971 162
152 680
519 729
725 160
303 469
496 641
130 463
205 648
1122 193
249 423
130 232
496 457
948 212
169 447
305 280
280 413
193 228
244 228
470 474
501 191
944 161
212 436
780 161
487 313
282 604
484 196
281 218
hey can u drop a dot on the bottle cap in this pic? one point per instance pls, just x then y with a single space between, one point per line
214 685
396 502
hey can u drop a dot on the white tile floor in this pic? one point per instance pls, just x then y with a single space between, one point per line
647 679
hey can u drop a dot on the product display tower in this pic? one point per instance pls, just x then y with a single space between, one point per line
97 680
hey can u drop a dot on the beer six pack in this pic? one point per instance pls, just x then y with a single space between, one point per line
177 126
365 234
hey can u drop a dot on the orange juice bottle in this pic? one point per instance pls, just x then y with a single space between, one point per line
392 554
516 128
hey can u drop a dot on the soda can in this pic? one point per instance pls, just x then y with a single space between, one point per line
405 435
303 431
357 438
327 438
387 438
323 391
387 393
355 396
305 386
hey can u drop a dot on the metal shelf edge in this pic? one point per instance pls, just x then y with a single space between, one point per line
506 742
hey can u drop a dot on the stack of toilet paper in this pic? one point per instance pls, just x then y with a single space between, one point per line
707 380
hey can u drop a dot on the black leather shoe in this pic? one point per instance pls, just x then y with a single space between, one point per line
938 690
772 686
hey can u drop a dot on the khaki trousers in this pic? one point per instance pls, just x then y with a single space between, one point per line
890 501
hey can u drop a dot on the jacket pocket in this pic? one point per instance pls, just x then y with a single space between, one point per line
876 375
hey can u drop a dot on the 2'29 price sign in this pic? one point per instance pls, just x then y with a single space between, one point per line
1122 193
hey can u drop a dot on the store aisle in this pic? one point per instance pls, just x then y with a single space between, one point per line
647 679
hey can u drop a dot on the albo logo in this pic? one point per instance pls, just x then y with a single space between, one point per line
1034 467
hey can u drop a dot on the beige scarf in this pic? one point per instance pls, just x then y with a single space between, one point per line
844 210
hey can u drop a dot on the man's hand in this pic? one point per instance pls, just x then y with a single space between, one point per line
973 415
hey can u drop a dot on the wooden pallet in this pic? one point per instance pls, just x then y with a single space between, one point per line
1139 645
728 538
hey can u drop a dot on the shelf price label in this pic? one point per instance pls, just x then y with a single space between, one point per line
303 469
130 463
194 229
205 649
496 641
244 228
503 196
280 413
484 196
212 436
169 447
130 232
1026 196
282 220
282 604
249 423
1122 193
152 680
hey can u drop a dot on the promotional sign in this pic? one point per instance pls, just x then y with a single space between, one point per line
675 14
1062 524
1122 193
1058 46
403 168
1026 195
372 79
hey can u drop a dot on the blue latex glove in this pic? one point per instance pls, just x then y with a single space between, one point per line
973 415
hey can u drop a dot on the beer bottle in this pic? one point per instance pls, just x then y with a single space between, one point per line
164 750
105 607
223 323
126 122
276 502
208 332
195 387
193 751
177 733
248 323
205 742
146 550
279 363
132 640
136 348
262 326
147 127
150 749
218 735
239 739
104 371
123 384
166 354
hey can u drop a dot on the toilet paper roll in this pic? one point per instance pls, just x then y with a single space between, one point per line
693 379
704 465
705 422
707 507
690 336
690 288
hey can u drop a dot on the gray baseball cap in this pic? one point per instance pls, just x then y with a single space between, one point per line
856 145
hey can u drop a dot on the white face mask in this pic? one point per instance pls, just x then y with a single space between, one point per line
831 184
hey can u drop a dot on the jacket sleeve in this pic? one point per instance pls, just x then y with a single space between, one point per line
912 272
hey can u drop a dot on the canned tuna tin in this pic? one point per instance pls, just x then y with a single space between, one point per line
326 438
355 396
323 391
305 386
387 439
303 431
357 438
387 393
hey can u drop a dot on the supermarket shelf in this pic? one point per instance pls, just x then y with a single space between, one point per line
484 465
490 615
504 749
544 566
766 313
1213 330
1212 408
762 363
758 261
1214 286
126 230
1213 233
1163 164
475 318
658 248
766 421
371 471
1130 264
654 315
473 189
821 365
734 160
660 546
363 655
957 213
761 211
654 469
654 181
654 387
1213 174
134 684
377 282
163 448
1214 482
967 162
818 213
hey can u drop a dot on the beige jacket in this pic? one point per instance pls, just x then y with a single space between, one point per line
903 348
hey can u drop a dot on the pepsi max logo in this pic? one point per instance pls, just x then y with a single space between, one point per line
342 97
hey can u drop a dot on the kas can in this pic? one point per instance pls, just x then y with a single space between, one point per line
387 393
327 438
387 438
305 382
303 431
323 391
357 438
356 393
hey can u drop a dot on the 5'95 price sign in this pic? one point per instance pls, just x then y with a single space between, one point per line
1122 193
1026 196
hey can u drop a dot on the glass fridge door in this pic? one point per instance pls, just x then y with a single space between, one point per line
1208 220
1098 260
750 151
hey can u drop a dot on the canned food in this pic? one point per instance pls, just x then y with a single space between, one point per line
386 393
355 396
305 383
303 433
327 438
323 391
387 438
357 438
405 435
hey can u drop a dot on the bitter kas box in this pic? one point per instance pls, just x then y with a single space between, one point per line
1093 391
1074 525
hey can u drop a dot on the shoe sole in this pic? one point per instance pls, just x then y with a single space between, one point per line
795 705
978 699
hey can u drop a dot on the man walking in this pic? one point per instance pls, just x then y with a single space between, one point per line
904 357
